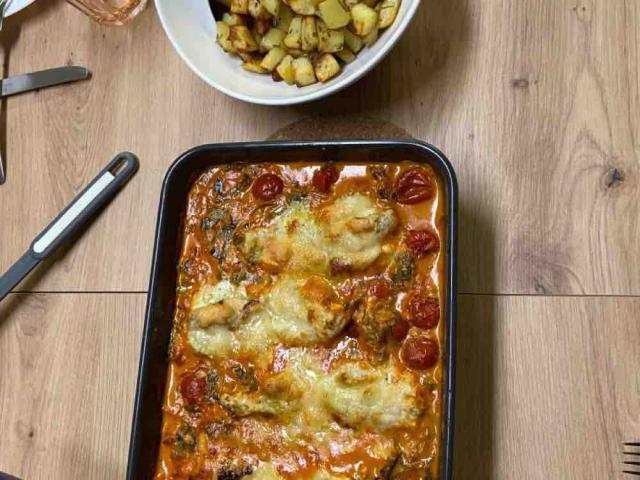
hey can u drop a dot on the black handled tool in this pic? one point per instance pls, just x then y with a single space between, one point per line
73 218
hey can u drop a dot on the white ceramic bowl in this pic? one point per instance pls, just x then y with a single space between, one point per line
17 5
191 28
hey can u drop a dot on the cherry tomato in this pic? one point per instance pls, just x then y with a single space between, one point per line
400 330
192 387
419 353
424 311
379 288
422 242
267 186
414 186
324 178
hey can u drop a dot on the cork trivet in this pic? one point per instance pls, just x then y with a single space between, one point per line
340 128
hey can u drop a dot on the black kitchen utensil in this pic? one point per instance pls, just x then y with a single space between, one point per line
73 218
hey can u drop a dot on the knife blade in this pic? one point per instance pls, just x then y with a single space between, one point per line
42 79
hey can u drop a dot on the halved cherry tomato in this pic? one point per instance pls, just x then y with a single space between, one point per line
400 330
379 288
419 353
324 178
424 311
267 186
414 186
422 242
192 387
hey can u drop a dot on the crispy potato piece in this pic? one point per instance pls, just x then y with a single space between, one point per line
272 59
272 39
254 65
329 41
346 55
242 39
334 14
256 36
239 6
364 20
226 3
294 35
369 3
262 26
309 39
285 70
246 57
272 6
222 36
352 41
371 37
388 10
257 10
303 69
285 15
350 3
326 67
303 7
295 53
232 19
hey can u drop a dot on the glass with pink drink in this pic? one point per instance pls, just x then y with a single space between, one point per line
112 12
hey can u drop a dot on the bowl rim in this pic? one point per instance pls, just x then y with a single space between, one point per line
301 98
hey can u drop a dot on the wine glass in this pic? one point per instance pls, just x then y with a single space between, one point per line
111 12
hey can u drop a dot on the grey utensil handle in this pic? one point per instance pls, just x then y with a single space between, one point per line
73 218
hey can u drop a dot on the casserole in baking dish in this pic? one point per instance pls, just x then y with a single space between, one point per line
311 319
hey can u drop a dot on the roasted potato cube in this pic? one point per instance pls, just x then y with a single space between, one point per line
295 53
303 7
371 37
222 36
285 15
309 40
329 41
257 10
272 59
262 26
272 39
242 39
364 20
253 65
272 6
350 3
232 19
226 3
334 14
239 6
256 36
303 69
326 67
285 70
388 10
369 3
352 41
346 55
293 38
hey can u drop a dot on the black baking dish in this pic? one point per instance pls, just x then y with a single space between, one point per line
147 415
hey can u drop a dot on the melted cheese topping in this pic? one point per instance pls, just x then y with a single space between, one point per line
296 311
349 231
306 399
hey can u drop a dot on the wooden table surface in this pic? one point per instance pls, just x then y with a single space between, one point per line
536 103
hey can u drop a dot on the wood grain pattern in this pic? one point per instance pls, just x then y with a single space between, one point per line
68 365
537 103
547 387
